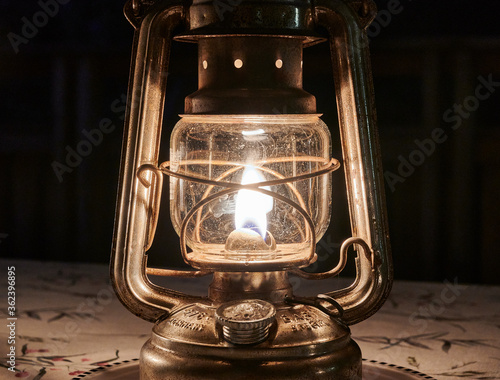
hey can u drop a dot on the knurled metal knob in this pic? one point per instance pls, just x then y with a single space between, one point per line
246 321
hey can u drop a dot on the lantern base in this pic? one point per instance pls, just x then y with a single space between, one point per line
303 343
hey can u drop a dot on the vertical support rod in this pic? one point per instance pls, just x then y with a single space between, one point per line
141 144
361 152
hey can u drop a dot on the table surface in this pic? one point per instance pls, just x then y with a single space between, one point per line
70 322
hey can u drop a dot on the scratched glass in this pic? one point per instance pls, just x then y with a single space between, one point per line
246 225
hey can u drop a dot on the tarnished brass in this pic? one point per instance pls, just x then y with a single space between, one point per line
258 86
307 340
303 344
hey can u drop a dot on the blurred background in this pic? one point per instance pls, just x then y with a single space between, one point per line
436 65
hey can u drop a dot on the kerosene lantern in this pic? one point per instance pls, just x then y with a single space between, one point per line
250 190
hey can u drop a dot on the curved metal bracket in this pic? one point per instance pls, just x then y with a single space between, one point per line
342 262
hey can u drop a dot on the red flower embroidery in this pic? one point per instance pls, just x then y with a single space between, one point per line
32 350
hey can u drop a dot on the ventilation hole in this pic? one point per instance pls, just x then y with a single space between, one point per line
205 64
279 63
238 63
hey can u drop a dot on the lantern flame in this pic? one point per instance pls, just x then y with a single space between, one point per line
252 206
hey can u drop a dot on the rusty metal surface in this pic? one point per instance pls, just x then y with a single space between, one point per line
259 86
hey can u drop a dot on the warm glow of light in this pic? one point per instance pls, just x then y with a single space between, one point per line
252 206
253 132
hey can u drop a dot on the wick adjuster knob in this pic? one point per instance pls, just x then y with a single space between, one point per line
246 321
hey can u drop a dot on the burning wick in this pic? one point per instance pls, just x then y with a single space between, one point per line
250 218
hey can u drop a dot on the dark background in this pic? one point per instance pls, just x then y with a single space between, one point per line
72 74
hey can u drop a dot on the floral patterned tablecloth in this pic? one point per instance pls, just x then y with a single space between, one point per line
68 322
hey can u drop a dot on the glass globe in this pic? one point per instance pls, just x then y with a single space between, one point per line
236 226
